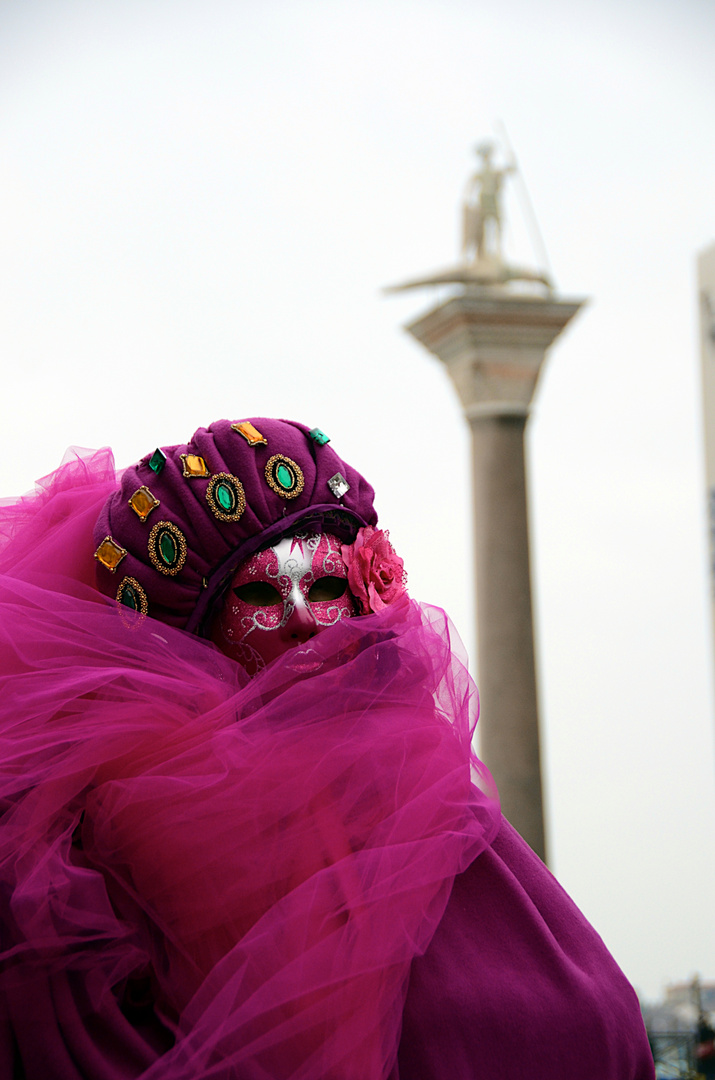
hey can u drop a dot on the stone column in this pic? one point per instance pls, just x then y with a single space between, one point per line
706 285
493 343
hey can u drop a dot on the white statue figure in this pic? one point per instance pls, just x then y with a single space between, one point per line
482 218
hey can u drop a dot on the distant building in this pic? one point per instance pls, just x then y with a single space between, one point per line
681 1006
680 1031
680 994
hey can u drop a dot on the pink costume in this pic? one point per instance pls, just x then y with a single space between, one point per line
301 874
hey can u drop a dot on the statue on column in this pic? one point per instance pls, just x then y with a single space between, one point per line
481 236
483 263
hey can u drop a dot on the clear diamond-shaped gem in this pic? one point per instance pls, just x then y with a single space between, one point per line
338 485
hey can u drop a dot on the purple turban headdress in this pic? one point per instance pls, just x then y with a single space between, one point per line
185 516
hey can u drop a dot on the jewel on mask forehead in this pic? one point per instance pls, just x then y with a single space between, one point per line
251 434
167 548
143 502
318 436
110 553
284 476
338 485
194 465
157 461
226 497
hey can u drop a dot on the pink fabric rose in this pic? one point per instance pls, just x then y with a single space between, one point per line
376 575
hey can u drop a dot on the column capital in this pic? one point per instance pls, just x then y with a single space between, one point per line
493 345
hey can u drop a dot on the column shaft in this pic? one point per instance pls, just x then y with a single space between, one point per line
509 729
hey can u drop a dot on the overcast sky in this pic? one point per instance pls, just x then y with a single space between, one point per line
200 201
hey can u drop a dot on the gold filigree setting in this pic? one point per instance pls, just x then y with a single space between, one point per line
284 476
131 595
226 497
167 548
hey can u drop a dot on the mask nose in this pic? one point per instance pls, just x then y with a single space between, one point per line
301 626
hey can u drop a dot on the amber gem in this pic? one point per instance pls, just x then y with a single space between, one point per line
251 434
110 554
143 502
194 465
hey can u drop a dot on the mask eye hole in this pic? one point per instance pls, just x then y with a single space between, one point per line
259 594
327 588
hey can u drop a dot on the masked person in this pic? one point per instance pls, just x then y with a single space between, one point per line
244 832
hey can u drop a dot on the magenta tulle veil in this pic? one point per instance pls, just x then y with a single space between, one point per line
227 877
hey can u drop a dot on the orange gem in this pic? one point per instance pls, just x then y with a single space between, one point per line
143 502
194 465
110 554
252 435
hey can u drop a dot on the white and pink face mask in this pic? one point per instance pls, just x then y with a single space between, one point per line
281 597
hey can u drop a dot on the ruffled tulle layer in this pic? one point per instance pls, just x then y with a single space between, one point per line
248 866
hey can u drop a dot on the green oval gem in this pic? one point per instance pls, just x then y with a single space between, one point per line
285 477
167 548
129 598
226 497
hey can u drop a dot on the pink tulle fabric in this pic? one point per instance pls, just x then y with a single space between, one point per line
263 858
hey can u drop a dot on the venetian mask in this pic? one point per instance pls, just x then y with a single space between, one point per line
281 597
